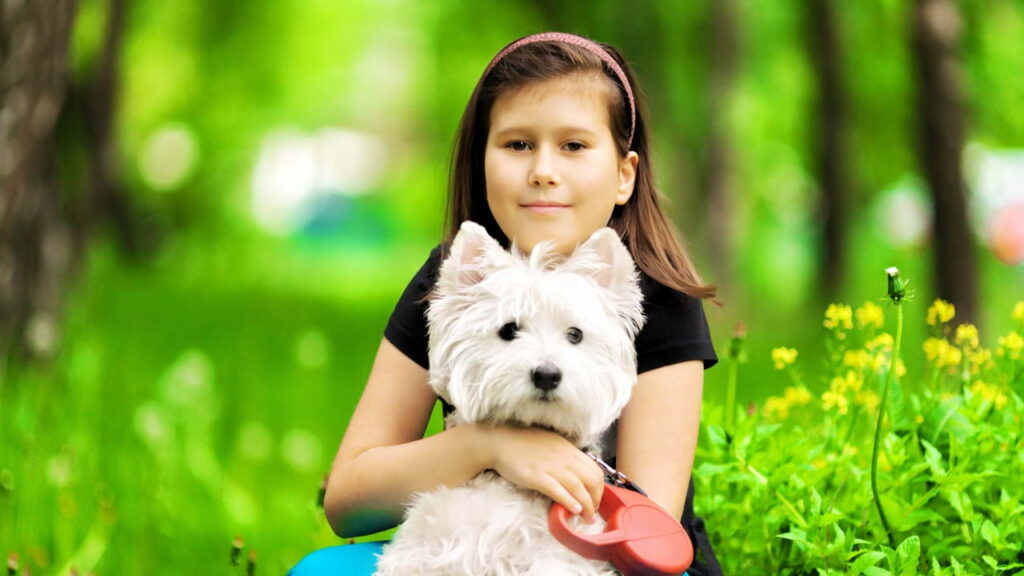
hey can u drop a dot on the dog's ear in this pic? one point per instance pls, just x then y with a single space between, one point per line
473 254
606 259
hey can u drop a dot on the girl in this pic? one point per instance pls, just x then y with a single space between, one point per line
553 145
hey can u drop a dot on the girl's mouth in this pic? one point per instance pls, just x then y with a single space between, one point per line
544 207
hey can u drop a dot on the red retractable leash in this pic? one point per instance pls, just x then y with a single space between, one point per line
640 538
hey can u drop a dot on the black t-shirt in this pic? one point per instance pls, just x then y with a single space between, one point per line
675 330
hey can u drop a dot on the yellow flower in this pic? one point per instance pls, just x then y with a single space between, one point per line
777 408
1018 311
989 393
980 359
783 357
882 342
857 359
797 395
870 316
1011 346
868 399
967 336
834 400
851 382
939 352
838 317
940 312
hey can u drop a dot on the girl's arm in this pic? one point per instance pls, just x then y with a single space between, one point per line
383 459
658 432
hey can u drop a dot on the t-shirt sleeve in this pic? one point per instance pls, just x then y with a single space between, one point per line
676 329
407 327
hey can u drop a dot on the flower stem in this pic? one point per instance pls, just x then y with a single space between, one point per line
878 425
730 398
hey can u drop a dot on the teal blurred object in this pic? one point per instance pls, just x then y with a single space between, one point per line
347 560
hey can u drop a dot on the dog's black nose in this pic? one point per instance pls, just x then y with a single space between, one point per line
546 377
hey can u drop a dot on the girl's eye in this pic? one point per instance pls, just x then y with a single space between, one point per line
509 331
574 335
574 146
518 146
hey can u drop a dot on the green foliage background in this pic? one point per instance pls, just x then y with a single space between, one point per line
200 395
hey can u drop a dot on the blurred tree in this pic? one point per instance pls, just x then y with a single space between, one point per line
936 34
830 126
36 251
91 112
721 172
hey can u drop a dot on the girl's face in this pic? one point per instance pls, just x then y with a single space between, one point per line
551 166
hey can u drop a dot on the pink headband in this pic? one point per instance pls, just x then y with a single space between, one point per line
589 46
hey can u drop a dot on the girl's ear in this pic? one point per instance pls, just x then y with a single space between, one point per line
473 254
627 177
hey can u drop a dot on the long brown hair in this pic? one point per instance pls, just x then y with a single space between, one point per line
654 243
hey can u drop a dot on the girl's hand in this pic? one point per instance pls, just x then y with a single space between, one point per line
542 460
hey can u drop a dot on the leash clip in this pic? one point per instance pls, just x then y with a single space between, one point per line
613 476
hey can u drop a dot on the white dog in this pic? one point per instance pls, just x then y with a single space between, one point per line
539 340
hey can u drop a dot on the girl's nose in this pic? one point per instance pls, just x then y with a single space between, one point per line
543 171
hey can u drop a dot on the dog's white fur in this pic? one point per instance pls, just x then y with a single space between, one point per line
490 526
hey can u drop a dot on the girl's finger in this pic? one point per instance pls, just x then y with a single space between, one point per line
592 477
581 493
554 489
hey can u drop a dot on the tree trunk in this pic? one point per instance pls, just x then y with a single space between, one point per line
829 148
89 124
35 243
720 154
936 34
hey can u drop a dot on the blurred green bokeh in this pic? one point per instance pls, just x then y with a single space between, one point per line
294 155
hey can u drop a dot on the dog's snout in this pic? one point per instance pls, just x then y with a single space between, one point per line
546 377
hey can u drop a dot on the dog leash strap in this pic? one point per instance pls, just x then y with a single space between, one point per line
613 476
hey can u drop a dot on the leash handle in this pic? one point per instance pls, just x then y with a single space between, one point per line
640 538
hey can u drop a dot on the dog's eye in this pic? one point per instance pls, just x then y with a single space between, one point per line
574 334
509 331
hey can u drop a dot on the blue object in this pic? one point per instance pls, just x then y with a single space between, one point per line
347 560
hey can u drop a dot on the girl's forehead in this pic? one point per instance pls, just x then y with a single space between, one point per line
579 95
583 86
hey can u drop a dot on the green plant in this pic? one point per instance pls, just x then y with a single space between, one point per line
797 485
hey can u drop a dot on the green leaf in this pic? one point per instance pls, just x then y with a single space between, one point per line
908 554
865 561
990 532
934 458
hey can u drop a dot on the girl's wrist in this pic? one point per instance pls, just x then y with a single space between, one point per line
478 443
